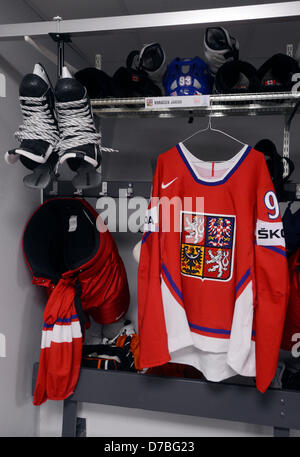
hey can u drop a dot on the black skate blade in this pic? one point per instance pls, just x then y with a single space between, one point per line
39 179
86 177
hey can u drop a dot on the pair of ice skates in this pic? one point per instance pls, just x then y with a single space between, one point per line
58 126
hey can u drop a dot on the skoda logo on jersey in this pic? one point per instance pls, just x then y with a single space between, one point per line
269 233
264 233
207 245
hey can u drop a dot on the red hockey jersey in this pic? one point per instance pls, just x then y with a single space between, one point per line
213 277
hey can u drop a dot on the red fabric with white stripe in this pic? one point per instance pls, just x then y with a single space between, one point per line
104 296
61 346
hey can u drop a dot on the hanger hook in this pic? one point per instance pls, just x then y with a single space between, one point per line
209 117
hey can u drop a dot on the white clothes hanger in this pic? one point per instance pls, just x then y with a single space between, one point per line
209 127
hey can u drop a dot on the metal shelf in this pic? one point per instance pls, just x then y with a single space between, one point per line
228 401
270 12
220 105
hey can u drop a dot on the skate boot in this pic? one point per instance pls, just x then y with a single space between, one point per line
80 143
38 135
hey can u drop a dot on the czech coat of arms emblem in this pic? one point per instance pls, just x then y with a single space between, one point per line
207 245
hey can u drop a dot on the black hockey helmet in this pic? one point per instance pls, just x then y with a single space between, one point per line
97 83
276 73
236 77
128 82
275 163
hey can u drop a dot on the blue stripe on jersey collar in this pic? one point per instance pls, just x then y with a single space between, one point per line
214 183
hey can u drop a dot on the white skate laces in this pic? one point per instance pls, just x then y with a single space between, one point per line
38 122
76 125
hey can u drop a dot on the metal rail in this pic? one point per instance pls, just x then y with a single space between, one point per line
220 105
263 96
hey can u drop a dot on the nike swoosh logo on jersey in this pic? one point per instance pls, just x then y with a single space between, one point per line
164 186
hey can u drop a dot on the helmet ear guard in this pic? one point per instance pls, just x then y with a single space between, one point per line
276 73
236 77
